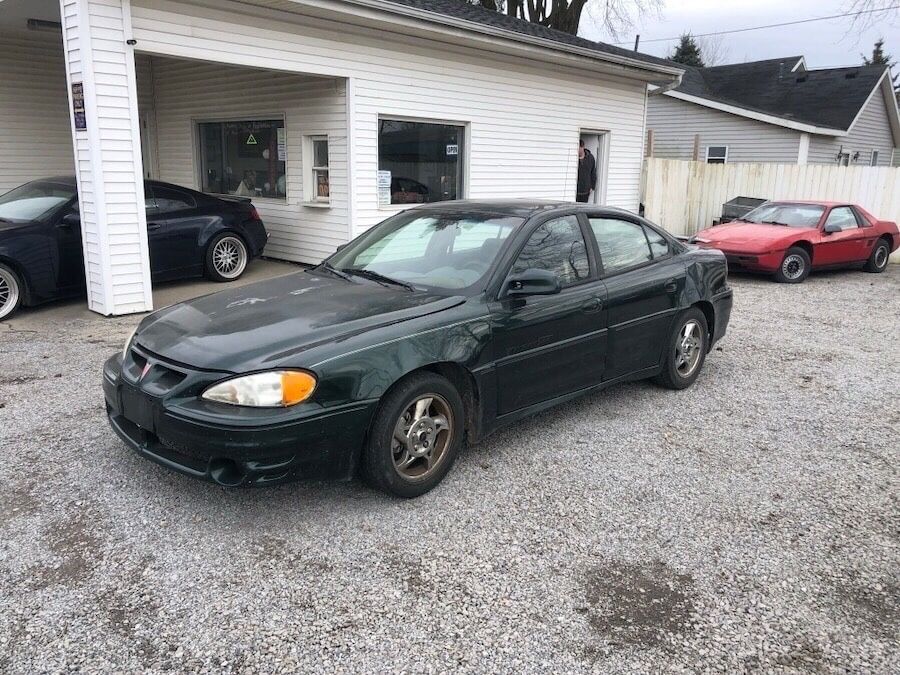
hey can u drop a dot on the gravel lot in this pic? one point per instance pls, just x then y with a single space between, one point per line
749 523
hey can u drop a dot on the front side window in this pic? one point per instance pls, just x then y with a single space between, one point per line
421 161
842 216
556 246
791 215
659 247
717 154
33 201
440 251
244 158
622 244
167 199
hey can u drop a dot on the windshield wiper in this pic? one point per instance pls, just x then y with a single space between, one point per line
328 267
378 277
773 222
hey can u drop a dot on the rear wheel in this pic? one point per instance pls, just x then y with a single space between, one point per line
878 260
415 437
685 350
794 267
11 290
226 257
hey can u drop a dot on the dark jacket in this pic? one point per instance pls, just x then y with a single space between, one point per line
587 173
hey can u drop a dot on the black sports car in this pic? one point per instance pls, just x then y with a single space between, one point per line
189 234
440 324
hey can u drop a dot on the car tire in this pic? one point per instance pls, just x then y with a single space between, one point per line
415 436
795 266
227 257
686 350
878 259
11 291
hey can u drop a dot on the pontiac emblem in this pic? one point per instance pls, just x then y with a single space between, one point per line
144 371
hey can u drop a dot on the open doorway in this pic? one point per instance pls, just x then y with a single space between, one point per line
595 144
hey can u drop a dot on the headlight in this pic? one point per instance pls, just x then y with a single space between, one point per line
701 240
275 389
128 343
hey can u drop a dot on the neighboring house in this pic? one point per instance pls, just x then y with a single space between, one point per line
333 114
777 111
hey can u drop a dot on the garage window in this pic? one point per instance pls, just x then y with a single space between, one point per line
716 154
419 162
244 158
318 182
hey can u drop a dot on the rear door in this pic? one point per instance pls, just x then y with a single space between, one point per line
846 246
644 280
551 345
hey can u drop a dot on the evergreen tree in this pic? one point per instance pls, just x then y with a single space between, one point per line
687 52
879 58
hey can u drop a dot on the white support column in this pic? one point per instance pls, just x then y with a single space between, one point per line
108 165
803 150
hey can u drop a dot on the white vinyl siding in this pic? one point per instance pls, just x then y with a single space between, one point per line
675 124
871 132
35 131
186 92
523 117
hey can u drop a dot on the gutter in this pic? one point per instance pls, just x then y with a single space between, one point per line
473 26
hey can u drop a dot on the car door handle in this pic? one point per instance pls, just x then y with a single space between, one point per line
592 305
671 285
153 226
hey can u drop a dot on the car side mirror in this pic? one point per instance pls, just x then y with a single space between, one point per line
71 220
532 282
831 228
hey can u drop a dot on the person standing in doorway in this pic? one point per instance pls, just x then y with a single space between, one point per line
587 173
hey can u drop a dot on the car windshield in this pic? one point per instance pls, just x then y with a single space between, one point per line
792 215
447 251
34 200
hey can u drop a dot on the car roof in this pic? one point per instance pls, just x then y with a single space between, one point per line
524 208
808 202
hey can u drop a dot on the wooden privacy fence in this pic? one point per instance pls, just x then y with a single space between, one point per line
684 197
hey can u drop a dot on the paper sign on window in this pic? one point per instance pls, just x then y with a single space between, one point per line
282 144
384 188
453 149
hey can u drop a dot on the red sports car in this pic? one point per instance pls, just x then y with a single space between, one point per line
788 239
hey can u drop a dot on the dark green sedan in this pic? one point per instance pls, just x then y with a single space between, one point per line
434 328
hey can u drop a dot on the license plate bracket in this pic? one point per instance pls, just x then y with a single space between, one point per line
138 409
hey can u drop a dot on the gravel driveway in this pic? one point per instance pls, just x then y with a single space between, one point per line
749 523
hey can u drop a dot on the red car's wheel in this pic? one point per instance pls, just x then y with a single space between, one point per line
878 260
794 267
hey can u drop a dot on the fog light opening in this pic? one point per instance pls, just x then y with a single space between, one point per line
226 471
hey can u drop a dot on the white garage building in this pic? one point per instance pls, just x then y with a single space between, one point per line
331 114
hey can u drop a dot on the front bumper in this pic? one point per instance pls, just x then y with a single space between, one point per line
768 262
173 427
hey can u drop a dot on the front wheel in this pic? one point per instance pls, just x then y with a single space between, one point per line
795 266
685 350
10 292
878 260
415 437
226 257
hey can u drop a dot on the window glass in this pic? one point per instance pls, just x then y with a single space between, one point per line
34 200
169 199
556 246
442 251
874 159
716 154
792 215
843 216
243 158
424 160
622 244
321 183
658 245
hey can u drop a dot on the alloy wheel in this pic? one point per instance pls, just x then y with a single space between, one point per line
881 256
792 267
688 347
9 292
230 257
422 435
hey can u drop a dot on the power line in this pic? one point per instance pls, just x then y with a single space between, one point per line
772 25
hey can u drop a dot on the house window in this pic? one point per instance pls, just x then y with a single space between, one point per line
716 154
422 161
320 188
244 158
874 160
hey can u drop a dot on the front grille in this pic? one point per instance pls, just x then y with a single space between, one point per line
151 374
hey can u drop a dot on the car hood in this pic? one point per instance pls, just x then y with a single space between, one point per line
268 323
750 237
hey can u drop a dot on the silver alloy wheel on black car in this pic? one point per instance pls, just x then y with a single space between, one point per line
229 257
10 292
688 348
422 435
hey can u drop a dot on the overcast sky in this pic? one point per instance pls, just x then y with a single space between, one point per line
824 43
